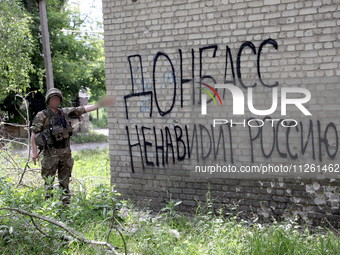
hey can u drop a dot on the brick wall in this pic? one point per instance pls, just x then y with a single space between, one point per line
159 54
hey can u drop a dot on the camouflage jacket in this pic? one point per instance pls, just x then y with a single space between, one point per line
41 117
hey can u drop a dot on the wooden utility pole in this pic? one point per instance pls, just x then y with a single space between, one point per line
46 44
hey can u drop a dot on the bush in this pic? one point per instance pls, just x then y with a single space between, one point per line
87 215
89 137
101 121
144 231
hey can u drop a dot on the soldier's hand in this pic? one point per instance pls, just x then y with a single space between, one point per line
35 157
106 101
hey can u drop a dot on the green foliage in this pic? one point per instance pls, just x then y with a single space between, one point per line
99 120
89 137
87 207
97 79
77 60
99 123
16 48
170 207
211 234
91 167
166 232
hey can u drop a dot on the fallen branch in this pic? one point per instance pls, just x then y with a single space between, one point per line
29 169
11 160
13 141
13 124
113 226
71 231
63 237
39 229
24 171
334 229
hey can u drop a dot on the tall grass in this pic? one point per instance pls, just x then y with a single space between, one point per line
145 232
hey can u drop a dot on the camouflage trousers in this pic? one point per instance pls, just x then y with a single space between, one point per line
57 160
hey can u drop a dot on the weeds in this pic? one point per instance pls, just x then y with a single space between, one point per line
97 213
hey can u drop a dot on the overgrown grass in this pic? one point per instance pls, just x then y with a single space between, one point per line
145 232
91 168
203 234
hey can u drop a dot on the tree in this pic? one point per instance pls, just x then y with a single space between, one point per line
77 61
73 56
16 48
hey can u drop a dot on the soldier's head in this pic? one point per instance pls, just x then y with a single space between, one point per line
54 97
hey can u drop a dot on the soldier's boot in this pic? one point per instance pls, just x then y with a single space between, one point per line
66 199
64 175
65 196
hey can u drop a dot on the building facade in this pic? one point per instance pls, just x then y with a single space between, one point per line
235 98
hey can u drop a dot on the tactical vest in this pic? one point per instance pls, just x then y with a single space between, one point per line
56 130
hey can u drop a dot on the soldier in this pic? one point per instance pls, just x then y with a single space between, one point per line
51 131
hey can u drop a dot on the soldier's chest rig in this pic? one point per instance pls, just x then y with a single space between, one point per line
56 130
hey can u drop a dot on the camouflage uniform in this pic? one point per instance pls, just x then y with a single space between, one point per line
57 156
